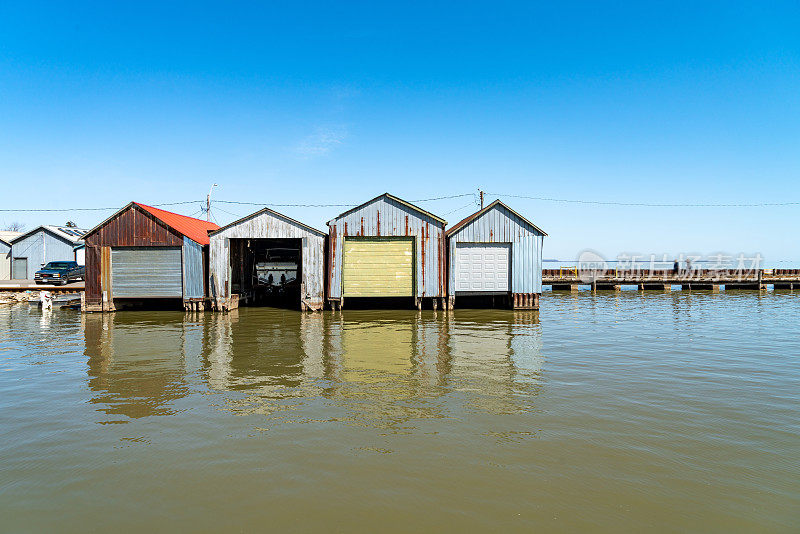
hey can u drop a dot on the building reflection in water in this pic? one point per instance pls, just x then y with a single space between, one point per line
137 368
370 368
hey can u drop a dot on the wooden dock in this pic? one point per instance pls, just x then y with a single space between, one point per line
572 279
30 285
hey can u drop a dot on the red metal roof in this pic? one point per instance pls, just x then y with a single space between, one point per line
195 229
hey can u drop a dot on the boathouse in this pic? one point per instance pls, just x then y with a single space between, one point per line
143 255
33 250
386 247
267 258
496 252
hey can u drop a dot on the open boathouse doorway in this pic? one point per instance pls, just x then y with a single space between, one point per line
267 259
267 272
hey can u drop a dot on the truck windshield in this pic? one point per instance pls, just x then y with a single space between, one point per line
58 265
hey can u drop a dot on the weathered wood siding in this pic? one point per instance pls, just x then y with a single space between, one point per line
133 227
268 224
499 225
40 248
386 217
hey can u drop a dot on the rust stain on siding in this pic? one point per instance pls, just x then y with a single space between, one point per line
424 232
332 255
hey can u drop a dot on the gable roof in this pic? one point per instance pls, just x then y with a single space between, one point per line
478 213
67 233
273 213
396 199
195 229
7 236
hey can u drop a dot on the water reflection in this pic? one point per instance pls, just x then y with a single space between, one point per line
373 368
136 368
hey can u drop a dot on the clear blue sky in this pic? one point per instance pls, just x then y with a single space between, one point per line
101 104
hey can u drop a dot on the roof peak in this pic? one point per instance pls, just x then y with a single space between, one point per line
459 225
396 199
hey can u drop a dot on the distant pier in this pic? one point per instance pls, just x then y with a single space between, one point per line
572 279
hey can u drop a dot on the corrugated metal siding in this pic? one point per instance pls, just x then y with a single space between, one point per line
499 225
40 248
386 217
19 268
146 272
192 269
271 225
131 227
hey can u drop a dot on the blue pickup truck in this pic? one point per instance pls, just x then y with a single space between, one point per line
60 273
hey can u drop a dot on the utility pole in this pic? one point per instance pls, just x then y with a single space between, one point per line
208 203
481 192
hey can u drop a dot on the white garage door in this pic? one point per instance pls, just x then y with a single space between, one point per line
482 267
146 272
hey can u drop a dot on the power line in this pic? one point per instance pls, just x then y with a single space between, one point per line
332 205
461 208
650 205
285 205
446 197
443 198
226 211
94 209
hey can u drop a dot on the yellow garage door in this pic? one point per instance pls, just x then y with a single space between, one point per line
378 268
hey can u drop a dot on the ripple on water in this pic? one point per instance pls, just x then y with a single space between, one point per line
611 411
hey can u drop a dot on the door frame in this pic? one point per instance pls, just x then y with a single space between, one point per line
510 267
410 238
111 250
13 260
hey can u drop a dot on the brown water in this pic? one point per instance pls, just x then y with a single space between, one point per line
667 412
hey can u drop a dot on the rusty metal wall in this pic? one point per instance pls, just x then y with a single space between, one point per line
386 217
499 225
268 224
131 227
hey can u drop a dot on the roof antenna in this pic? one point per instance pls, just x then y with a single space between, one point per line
208 203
